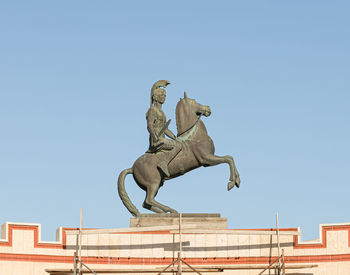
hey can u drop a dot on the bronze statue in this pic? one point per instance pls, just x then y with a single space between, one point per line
167 159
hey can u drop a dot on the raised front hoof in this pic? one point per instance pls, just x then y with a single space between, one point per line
238 182
230 185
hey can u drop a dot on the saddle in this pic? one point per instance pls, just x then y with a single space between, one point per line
155 149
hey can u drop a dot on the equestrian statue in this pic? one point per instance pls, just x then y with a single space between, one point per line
169 158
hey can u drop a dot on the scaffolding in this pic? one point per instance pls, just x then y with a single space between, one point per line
176 266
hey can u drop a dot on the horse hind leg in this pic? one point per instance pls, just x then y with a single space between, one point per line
151 204
152 208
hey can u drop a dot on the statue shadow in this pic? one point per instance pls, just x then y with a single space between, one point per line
174 246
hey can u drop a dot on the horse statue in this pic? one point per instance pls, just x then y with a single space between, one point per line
197 150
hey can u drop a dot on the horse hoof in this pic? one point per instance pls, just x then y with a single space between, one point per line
238 183
170 210
230 185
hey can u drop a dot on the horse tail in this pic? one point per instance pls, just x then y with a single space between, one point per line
123 195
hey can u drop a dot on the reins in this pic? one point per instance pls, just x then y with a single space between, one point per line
194 124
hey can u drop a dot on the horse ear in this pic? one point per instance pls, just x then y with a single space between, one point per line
185 95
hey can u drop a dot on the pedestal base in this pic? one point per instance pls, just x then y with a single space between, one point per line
204 221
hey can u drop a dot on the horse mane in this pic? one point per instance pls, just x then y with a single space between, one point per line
183 116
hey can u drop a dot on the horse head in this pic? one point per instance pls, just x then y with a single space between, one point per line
188 112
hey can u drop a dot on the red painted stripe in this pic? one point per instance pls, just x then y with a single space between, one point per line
296 245
166 261
324 237
35 230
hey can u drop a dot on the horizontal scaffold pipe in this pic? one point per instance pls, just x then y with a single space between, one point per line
131 229
201 269
235 232
187 229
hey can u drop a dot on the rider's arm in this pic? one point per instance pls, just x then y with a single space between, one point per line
170 134
150 123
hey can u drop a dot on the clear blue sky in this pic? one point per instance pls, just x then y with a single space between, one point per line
75 78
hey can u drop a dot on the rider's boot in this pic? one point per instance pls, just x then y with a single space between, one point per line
164 167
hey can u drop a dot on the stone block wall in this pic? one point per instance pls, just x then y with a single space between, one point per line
22 252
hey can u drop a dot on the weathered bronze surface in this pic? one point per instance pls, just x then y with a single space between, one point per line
169 158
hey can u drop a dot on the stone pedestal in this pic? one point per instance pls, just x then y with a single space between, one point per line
204 221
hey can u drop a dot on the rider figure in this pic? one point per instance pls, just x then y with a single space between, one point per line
158 128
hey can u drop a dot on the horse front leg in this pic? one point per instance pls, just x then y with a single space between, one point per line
212 160
236 179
